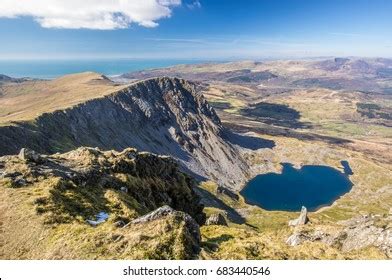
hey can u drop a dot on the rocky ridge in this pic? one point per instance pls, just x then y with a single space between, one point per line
148 179
165 116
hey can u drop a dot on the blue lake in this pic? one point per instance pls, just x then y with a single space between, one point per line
312 186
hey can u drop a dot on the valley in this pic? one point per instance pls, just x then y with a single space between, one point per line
227 124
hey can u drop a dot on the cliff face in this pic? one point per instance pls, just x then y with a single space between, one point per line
162 116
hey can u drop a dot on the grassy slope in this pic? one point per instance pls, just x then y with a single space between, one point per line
30 236
47 218
27 100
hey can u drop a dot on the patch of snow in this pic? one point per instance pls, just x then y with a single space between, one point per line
100 218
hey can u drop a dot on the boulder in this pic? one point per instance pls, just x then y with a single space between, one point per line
300 236
154 215
295 239
164 211
124 189
119 224
28 155
302 219
216 219
229 193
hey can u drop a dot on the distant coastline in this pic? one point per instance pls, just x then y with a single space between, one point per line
53 68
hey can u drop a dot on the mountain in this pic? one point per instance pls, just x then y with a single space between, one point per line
166 116
4 78
231 76
353 66
7 79
133 203
355 74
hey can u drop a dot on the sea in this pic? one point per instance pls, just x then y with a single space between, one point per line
53 68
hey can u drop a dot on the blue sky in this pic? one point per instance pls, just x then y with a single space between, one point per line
220 29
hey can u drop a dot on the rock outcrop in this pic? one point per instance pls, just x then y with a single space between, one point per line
357 233
365 231
229 193
154 215
164 211
165 116
299 237
99 198
295 239
302 219
29 156
150 181
216 219
88 196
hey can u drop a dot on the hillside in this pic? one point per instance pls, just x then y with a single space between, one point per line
6 79
25 101
163 116
49 206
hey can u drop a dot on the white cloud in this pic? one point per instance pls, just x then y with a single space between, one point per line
90 14
194 5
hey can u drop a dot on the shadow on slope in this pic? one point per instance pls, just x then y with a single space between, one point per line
209 200
275 114
248 142
286 132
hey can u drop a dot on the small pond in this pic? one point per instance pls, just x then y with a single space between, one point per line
312 186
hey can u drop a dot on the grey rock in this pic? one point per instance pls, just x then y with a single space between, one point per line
299 237
155 215
119 224
229 193
165 211
302 219
28 155
70 175
20 182
358 233
216 219
124 189
295 239
365 231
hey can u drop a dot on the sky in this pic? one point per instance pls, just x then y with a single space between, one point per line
194 29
